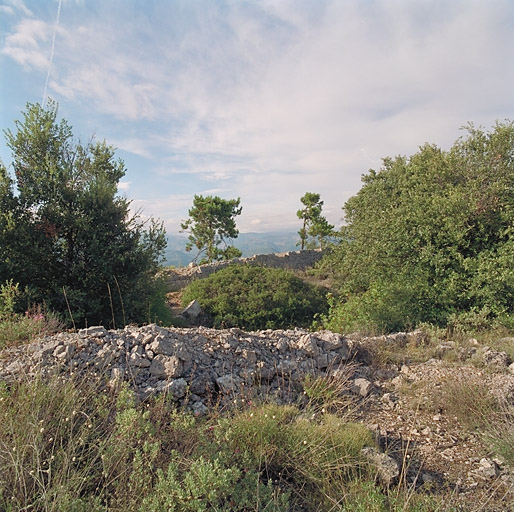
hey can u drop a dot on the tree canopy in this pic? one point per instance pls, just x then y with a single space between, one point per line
65 234
315 229
431 238
211 223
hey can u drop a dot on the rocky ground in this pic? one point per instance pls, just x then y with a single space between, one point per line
410 412
409 406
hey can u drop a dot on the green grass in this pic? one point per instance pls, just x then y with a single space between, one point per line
16 329
75 446
477 409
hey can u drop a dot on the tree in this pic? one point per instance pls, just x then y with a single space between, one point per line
430 238
315 226
70 241
210 224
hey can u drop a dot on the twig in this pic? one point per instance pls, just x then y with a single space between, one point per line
69 309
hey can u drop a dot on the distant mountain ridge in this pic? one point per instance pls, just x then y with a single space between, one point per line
248 243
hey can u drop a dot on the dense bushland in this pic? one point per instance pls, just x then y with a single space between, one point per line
66 237
430 238
253 298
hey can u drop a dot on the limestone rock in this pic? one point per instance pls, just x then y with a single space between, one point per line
487 469
165 367
387 468
361 387
228 383
192 311
97 331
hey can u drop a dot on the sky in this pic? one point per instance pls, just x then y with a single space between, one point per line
259 99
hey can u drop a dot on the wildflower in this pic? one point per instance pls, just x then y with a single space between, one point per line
42 429
304 441
74 459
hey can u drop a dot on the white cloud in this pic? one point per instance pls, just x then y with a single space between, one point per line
124 185
267 100
24 44
11 6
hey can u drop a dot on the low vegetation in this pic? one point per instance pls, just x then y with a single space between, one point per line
253 298
75 446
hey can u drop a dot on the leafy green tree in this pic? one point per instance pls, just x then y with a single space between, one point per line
68 239
211 224
430 238
253 297
315 229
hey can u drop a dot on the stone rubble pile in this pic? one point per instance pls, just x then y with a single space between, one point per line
193 365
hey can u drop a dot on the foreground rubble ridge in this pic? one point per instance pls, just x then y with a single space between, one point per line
199 364
195 365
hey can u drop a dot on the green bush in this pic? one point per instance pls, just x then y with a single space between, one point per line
254 298
429 238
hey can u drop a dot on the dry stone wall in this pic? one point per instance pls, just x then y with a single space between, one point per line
293 260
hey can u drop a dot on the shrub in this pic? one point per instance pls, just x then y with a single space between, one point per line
429 238
254 298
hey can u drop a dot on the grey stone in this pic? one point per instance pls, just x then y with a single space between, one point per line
361 387
494 358
228 383
97 331
282 345
165 366
138 360
308 344
487 469
331 340
199 409
161 345
177 388
387 468
192 311
322 361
